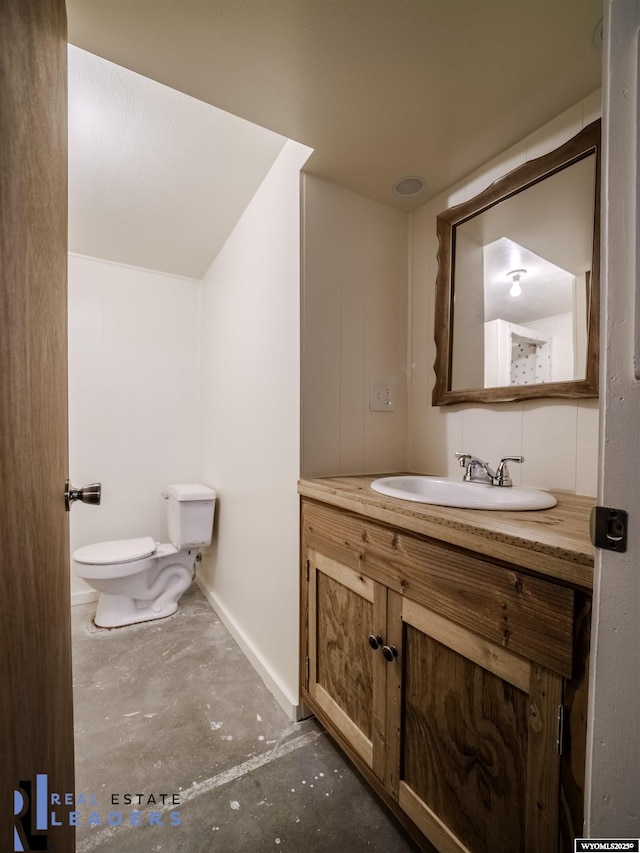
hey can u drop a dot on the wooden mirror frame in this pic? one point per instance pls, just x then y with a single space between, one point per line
582 145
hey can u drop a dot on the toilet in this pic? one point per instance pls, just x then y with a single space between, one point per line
139 579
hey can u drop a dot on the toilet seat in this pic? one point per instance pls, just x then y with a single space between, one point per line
114 552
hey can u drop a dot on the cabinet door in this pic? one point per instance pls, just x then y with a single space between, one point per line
477 757
346 675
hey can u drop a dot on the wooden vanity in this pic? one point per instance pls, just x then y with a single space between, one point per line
446 652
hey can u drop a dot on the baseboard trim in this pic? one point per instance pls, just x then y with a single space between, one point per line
83 597
294 711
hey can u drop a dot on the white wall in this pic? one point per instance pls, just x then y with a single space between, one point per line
467 369
558 438
133 397
354 329
561 331
250 426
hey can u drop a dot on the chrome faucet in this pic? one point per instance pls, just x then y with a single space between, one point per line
478 471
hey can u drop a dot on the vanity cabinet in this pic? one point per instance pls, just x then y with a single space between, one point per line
446 678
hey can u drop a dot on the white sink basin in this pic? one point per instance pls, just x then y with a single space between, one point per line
445 492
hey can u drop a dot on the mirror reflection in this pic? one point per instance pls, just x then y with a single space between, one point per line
517 293
522 272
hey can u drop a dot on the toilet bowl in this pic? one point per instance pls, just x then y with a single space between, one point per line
140 580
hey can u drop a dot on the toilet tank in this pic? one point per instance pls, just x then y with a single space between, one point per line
190 510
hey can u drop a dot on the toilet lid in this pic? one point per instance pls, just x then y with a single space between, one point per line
117 551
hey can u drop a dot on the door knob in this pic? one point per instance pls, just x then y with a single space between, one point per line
90 494
375 641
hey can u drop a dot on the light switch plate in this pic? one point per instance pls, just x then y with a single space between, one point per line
382 395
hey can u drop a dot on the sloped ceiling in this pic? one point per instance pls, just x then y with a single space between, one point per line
157 179
379 89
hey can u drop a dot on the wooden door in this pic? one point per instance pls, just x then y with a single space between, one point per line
346 675
35 661
613 762
478 762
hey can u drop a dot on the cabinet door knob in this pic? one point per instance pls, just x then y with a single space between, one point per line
389 652
375 641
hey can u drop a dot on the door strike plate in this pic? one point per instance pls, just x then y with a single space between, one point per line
608 528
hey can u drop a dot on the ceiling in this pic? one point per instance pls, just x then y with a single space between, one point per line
380 89
157 179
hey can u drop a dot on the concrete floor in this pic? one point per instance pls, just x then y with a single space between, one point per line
174 708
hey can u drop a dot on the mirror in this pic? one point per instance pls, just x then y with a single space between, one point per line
517 293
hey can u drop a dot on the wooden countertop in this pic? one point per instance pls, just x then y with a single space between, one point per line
552 542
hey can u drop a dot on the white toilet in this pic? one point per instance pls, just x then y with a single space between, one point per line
138 579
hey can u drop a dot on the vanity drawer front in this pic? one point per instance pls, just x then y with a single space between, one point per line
527 615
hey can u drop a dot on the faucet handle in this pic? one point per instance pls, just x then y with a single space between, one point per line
463 458
503 477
